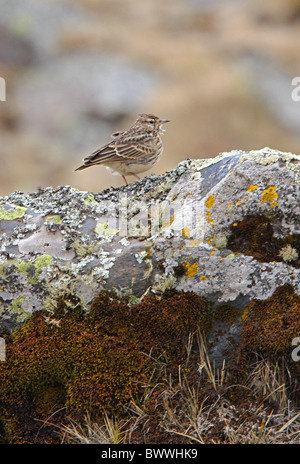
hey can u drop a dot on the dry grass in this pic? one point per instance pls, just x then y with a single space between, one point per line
110 432
201 412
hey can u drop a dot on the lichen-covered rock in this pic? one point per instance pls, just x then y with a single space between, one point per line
175 230
211 245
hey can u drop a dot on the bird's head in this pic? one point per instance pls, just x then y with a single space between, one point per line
151 123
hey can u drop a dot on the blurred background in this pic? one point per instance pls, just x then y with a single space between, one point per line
78 70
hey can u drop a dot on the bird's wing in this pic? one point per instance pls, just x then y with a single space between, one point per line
118 150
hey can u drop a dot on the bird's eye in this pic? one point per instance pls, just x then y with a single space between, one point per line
151 121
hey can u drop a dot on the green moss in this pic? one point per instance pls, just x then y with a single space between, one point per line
91 362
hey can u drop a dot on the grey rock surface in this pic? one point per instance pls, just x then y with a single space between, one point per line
134 239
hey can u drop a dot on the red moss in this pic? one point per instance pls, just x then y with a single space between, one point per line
253 236
270 325
96 362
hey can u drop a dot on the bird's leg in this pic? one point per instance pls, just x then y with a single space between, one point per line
125 180
136 176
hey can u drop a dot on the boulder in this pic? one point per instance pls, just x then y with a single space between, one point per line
226 228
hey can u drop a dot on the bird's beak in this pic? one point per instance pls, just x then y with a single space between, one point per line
163 121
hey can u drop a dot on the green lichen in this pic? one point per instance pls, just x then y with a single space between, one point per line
89 199
103 229
163 284
38 264
220 241
17 308
84 249
16 213
56 219
288 254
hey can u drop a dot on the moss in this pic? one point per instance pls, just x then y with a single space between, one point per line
254 236
91 362
270 325
179 270
225 313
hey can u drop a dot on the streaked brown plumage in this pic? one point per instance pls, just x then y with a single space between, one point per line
132 151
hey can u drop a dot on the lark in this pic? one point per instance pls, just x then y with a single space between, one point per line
132 151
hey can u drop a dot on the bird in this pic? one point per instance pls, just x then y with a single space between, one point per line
132 151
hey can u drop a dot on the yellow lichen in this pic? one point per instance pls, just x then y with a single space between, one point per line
191 269
252 188
210 239
269 195
210 201
186 232
194 243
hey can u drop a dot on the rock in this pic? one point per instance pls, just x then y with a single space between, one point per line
181 230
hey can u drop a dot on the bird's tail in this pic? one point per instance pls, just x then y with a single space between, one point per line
82 167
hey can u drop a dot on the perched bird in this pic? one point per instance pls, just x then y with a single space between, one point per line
132 151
